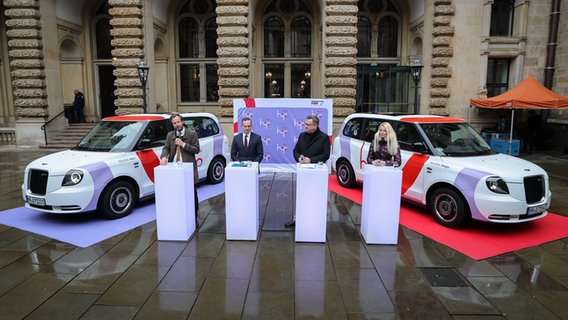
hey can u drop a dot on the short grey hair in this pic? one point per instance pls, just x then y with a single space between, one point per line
314 118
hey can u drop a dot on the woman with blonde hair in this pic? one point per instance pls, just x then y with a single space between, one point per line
384 149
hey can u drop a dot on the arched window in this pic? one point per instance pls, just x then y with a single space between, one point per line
388 37
188 38
104 48
382 84
287 49
273 37
197 52
301 37
102 33
363 37
211 38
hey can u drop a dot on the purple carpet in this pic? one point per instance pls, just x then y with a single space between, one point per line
84 230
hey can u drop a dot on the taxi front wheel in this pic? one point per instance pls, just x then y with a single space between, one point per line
216 171
345 174
449 208
117 200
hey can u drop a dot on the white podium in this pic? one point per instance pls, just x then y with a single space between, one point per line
380 211
311 202
175 208
241 201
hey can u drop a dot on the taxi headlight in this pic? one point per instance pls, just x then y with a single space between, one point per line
72 178
497 185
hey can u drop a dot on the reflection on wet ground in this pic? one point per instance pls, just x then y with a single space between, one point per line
133 276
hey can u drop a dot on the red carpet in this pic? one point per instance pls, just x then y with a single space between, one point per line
479 240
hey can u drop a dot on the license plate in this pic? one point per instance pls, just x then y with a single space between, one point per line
537 209
36 201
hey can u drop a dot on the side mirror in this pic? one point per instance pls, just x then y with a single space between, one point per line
145 144
419 147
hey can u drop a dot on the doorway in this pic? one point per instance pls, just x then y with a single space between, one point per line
106 91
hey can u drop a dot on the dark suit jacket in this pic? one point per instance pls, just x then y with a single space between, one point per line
188 152
254 152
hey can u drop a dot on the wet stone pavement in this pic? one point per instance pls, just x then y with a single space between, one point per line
134 276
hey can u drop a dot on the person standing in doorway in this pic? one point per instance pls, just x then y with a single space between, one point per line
79 105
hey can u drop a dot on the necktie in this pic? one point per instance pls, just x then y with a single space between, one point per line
246 142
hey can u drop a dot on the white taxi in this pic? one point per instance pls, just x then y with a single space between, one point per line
447 167
112 167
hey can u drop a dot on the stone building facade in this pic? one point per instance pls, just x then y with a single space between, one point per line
202 54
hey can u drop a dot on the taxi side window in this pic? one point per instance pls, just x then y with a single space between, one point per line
409 138
203 126
371 127
352 129
155 134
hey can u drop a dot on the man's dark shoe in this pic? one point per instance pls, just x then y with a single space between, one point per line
290 224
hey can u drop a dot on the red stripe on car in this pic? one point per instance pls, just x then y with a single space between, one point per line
149 162
412 169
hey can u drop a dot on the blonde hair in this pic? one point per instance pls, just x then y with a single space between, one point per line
392 141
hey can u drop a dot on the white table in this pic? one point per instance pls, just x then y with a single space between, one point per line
311 202
241 201
175 208
380 212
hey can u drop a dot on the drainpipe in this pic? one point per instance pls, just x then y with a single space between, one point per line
551 50
552 44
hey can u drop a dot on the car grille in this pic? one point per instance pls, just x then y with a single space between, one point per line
534 189
38 181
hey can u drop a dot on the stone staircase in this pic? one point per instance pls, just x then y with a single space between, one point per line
69 136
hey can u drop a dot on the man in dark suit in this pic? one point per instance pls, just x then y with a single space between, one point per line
187 142
247 145
312 147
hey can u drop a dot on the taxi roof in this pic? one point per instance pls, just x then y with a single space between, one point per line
154 116
416 118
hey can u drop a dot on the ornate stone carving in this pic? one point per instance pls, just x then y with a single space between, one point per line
24 33
442 52
340 61
233 53
128 43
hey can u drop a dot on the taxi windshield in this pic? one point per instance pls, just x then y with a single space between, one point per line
111 136
456 139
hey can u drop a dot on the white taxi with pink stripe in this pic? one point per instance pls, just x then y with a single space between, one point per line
448 168
112 167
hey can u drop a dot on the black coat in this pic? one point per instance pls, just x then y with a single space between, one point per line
314 146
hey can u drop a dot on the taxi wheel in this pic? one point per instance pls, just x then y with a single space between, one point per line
449 208
345 174
117 200
216 171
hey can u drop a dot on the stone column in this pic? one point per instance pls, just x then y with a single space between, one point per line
128 43
340 62
24 33
233 53
442 52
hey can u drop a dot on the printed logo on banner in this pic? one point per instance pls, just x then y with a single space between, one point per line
280 122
